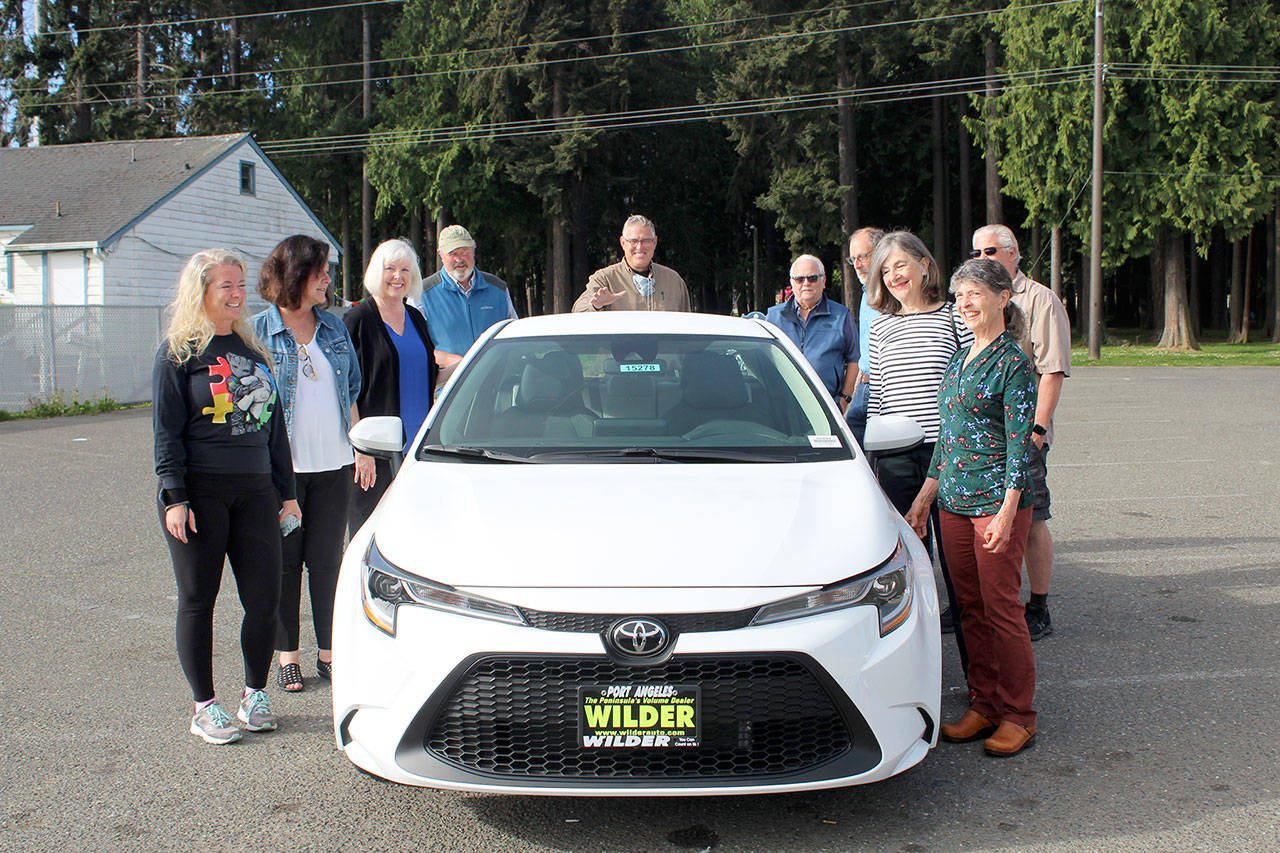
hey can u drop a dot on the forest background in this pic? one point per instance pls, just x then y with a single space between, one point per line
749 131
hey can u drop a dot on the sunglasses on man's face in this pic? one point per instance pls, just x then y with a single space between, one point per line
809 278
989 251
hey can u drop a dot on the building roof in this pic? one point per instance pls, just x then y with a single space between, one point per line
84 195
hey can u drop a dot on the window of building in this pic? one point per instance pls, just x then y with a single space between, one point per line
247 186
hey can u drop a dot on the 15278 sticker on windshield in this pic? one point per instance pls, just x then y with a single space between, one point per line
639 716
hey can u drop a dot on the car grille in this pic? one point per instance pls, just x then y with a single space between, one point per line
761 716
677 623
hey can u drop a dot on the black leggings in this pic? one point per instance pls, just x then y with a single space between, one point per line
237 519
323 497
901 475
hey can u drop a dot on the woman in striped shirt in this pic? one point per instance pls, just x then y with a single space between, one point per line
911 344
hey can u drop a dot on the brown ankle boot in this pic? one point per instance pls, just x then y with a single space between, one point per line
1010 739
972 726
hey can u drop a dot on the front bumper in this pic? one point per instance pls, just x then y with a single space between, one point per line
470 704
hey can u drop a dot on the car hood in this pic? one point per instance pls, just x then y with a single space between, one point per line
635 525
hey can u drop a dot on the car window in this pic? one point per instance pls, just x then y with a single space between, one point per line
582 398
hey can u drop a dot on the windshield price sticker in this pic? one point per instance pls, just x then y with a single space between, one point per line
640 368
817 441
643 716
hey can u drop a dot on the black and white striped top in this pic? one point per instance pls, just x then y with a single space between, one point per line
909 354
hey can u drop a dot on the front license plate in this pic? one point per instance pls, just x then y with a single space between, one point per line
639 716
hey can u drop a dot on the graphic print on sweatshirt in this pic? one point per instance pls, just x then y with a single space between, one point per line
242 397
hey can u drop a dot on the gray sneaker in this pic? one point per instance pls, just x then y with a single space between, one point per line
213 724
255 713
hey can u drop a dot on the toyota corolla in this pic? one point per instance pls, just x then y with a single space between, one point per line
635 554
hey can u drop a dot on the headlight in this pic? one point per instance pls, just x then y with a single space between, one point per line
384 588
889 588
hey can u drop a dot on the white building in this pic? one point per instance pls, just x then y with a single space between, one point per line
112 223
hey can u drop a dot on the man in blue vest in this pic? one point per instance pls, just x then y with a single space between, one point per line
460 301
824 330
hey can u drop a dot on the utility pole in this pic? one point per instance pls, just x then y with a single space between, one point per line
366 112
1095 250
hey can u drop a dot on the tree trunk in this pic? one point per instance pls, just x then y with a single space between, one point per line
1247 286
847 151
548 291
963 146
1055 261
995 207
581 237
1218 284
344 237
1177 321
561 300
140 83
1275 282
1036 272
940 240
415 231
366 112
1267 292
233 52
1193 290
1236 301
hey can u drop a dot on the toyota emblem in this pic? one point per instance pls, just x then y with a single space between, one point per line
638 637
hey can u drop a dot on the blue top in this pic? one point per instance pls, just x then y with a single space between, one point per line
866 316
415 392
828 338
332 337
457 317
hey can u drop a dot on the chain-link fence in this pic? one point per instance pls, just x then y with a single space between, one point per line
89 351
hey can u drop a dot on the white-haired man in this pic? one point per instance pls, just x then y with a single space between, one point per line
635 283
823 330
862 244
1048 343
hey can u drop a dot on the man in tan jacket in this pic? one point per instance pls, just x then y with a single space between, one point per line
1048 344
635 283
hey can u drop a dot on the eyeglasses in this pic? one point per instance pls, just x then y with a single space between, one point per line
798 279
308 369
989 251
639 241
854 260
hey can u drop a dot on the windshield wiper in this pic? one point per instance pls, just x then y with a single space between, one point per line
663 454
478 453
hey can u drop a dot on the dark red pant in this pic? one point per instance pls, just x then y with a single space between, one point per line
1002 667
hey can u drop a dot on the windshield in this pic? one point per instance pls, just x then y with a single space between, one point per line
635 398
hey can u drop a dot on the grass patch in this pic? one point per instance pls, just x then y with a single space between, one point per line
1136 348
55 405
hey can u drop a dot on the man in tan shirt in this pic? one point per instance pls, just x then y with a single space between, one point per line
1048 344
635 283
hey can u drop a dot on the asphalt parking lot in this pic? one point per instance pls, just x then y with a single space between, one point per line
1159 720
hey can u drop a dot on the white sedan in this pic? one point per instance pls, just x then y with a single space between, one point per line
635 554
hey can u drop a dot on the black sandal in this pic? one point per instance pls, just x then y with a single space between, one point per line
324 668
290 677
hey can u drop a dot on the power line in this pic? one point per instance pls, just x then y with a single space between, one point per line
685 115
598 57
160 81
162 24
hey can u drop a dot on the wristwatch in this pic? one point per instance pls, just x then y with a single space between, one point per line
845 397
1039 430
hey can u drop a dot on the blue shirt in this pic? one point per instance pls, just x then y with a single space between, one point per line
457 317
866 316
828 338
415 394
332 337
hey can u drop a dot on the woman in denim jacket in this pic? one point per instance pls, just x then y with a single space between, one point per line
319 380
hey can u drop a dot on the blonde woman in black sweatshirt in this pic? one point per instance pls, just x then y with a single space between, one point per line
226 481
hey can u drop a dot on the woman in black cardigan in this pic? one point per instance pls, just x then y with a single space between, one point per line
395 350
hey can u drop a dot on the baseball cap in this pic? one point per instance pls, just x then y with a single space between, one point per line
455 237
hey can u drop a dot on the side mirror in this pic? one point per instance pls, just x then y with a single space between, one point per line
378 436
887 433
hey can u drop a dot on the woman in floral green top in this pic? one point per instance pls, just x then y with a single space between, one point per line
981 480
